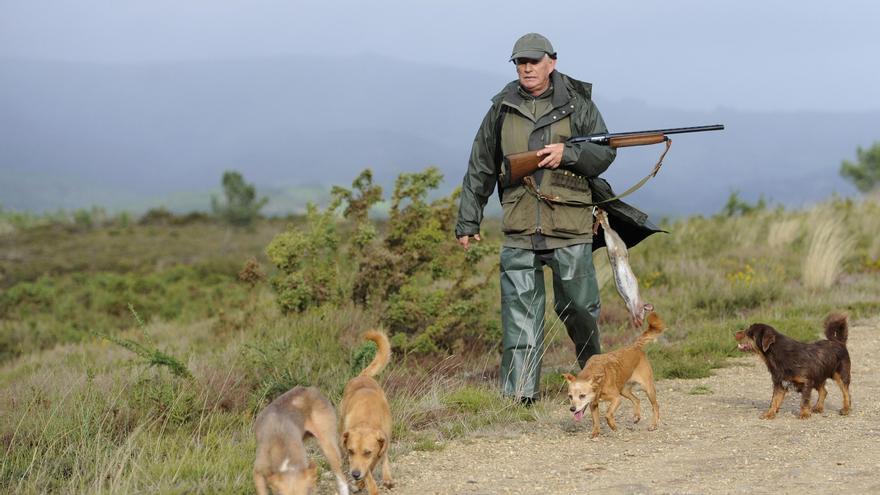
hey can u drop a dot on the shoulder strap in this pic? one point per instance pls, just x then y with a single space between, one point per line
499 157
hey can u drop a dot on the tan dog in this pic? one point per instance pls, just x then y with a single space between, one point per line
281 456
607 377
366 420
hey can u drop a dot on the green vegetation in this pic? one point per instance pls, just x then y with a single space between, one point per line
865 172
700 390
135 353
242 207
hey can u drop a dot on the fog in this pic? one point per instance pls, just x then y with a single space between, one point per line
122 104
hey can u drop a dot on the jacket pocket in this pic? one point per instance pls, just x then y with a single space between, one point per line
571 216
571 221
518 217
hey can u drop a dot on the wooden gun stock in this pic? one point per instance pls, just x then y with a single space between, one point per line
522 164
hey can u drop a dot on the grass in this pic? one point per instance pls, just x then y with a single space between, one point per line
829 245
700 390
82 414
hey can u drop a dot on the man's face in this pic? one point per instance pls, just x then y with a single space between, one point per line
534 75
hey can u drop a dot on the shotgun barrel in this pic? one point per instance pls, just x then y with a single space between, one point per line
608 136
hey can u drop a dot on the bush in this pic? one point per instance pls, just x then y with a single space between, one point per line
418 278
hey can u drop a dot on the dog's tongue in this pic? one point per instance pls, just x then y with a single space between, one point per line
579 415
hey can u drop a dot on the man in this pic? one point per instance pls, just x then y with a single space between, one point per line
547 216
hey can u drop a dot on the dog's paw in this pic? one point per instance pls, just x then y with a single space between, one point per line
388 483
594 435
844 412
818 410
768 415
652 427
805 414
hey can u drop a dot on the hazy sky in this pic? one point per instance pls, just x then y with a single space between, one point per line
697 54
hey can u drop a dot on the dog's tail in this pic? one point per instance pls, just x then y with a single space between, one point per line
383 354
655 328
836 327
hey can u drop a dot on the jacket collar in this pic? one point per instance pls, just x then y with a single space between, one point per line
563 90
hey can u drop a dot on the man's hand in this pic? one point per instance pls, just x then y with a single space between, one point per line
465 239
554 155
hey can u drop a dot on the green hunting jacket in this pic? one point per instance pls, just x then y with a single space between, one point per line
530 222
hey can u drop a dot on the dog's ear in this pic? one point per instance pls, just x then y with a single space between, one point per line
568 377
345 439
383 444
766 339
598 377
312 472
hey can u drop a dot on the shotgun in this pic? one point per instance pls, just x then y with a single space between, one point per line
518 165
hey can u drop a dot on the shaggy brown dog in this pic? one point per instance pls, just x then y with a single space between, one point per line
366 420
280 428
608 376
793 364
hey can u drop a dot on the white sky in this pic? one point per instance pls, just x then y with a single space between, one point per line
696 54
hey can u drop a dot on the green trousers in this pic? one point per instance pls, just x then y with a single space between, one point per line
576 301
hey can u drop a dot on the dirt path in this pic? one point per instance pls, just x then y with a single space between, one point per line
709 443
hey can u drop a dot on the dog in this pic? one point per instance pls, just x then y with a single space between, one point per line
281 463
801 366
366 420
607 377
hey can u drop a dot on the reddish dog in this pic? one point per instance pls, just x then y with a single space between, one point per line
607 377
801 366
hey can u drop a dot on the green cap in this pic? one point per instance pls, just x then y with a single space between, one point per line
533 46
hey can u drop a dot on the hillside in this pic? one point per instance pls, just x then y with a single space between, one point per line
74 135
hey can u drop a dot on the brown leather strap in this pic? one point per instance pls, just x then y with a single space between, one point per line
641 182
532 187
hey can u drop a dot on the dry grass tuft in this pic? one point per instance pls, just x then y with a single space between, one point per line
828 247
783 232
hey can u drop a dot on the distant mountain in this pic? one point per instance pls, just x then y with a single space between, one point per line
127 136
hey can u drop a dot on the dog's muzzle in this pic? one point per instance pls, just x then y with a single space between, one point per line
356 475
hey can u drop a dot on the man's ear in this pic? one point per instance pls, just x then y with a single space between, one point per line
767 339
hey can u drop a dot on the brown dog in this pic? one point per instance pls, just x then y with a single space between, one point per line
801 366
608 376
366 420
280 429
